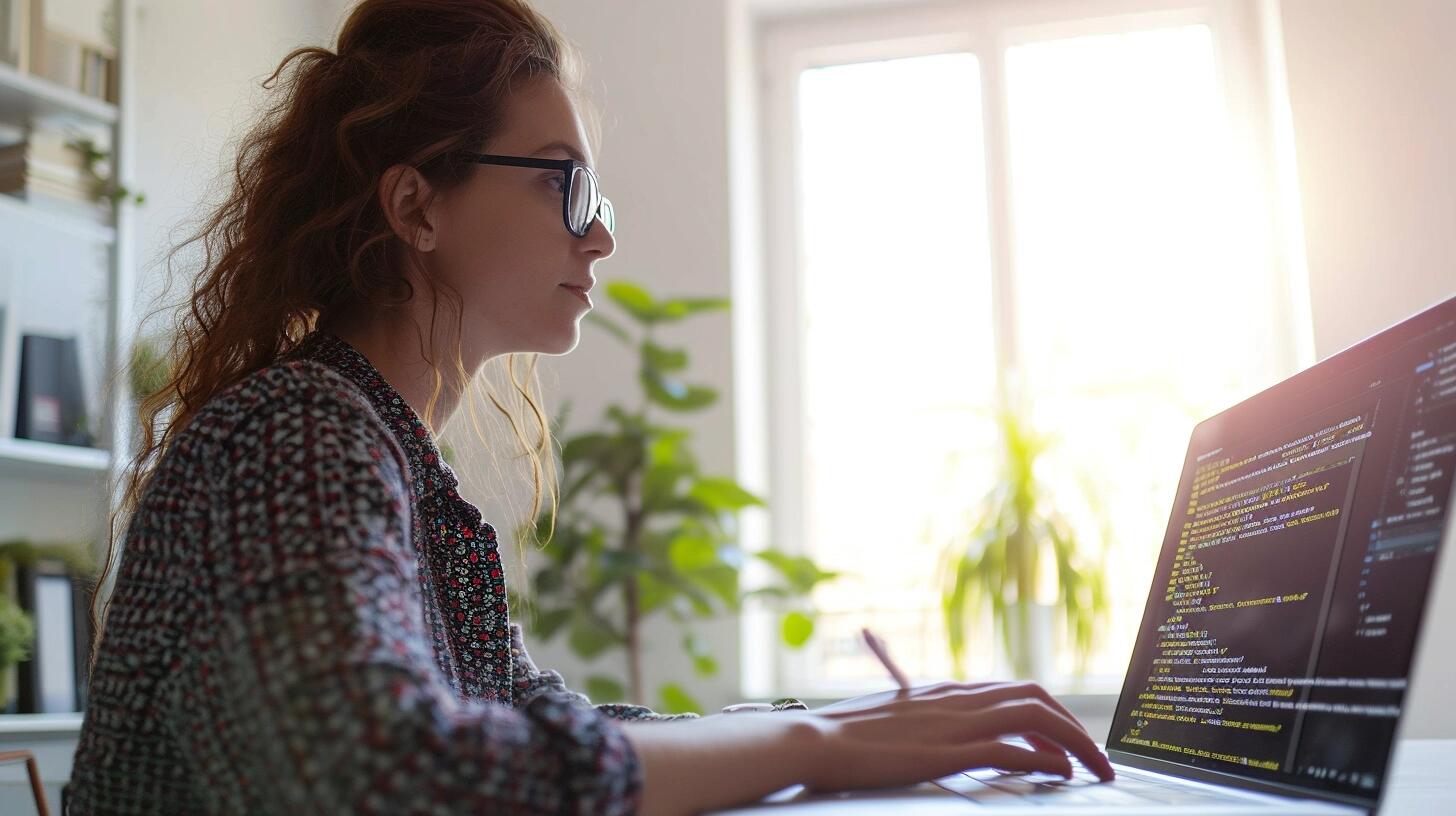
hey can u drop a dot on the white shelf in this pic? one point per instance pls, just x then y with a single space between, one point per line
47 459
40 723
25 98
72 225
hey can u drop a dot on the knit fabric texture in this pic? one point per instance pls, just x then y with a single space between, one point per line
308 617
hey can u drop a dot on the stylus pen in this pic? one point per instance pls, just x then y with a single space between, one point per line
878 647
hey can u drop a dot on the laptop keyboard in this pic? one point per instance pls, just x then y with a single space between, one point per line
1036 789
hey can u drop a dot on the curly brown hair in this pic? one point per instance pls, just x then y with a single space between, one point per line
300 235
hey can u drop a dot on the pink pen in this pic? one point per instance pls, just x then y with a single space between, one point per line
878 647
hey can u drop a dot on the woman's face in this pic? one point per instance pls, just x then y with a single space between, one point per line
501 243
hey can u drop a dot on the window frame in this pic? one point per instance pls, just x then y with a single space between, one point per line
1250 75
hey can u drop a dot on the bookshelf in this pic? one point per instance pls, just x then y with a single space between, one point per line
66 274
35 98
16 210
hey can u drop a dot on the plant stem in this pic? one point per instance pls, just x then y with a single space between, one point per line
631 536
632 499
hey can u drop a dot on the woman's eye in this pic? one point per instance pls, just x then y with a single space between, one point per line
557 182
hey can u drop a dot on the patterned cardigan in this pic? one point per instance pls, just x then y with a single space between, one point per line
308 618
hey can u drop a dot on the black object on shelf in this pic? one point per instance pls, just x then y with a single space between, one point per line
54 679
51 405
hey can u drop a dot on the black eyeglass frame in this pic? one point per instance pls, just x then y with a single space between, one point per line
568 169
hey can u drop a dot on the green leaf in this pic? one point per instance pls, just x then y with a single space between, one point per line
610 326
697 649
548 622
705 666
655 543
589 636
723 494
603 689
617 564
634 299
651 593
678 308
576 485
721 579
588 447
802 573
668 448
595 540
659 484
772 592
564 542
695 645
670 393
797 628
688 506
549 580
631 424
693 595
663 359
690 552
676 700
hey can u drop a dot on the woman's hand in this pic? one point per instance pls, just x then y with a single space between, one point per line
879 740
896 738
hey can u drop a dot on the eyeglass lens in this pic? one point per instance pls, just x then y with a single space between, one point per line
586 203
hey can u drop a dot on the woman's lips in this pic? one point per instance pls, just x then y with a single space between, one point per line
579 292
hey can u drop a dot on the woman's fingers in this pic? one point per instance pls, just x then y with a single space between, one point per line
1035 717
987 694
1042 744
1005 757
902 763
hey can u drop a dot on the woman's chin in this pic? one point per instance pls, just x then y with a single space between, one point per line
563 344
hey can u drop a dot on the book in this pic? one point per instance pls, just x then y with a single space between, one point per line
54 679
49 403
10 24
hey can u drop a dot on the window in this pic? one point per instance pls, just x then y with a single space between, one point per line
1077 201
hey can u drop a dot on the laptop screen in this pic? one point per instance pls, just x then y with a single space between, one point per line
1278 636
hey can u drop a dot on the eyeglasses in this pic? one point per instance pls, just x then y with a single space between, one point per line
581 199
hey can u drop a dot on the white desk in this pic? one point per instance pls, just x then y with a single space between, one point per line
1425 778
1423 782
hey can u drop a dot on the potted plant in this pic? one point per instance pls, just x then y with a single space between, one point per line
641 531
99 172
148 372
17 627
17 636
1019 546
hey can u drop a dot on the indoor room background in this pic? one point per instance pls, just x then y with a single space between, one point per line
1094 221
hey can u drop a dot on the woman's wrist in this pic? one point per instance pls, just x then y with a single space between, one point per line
683 762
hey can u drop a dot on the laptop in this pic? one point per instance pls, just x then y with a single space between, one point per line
1275 651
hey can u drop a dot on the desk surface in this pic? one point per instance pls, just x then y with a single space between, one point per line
1423 782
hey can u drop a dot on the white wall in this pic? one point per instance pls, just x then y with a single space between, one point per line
198 68
657 71
1373 99
1372 88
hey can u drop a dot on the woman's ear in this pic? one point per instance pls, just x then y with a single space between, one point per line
406 198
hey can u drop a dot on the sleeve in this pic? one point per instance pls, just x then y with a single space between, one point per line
531 682
316 690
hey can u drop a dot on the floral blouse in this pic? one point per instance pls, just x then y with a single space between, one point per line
307 617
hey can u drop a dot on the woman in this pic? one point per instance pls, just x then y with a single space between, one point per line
307 617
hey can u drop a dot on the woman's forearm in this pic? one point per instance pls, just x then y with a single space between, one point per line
720 760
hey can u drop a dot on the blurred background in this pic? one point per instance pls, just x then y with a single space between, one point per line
875 260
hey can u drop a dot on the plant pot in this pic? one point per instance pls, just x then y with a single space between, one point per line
1030 656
